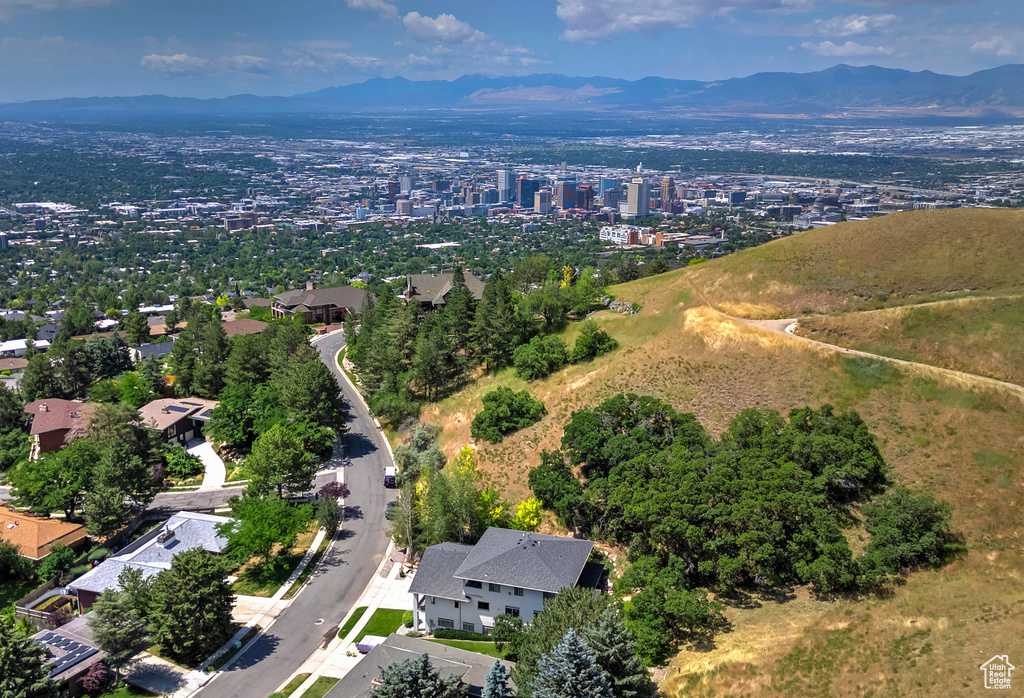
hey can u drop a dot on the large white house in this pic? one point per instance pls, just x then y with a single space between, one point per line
465 587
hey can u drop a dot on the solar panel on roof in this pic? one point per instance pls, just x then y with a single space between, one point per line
177 408
74 652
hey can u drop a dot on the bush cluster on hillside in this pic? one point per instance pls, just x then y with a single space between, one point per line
505 412
763 506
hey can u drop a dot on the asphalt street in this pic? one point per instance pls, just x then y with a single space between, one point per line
314 615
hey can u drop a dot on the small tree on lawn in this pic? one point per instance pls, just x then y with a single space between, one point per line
278 462
416 678
117 630
570 671
262 524
191 606
328 515
497 682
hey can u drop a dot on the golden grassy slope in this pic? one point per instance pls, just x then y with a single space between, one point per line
977 335
886 261
959 441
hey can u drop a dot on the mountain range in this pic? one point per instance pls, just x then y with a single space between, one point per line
864 91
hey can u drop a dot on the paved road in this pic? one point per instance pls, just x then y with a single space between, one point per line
343 573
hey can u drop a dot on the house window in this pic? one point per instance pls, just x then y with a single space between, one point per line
432 599
535 614
512 611
517 591
488 629
496 588
456 604
445 623
548 595
475 585
469 627
483 605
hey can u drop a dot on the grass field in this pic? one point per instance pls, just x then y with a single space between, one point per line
957 439
981 336
351 622
254 582
480 647
383 622
290 686
320 687
127 691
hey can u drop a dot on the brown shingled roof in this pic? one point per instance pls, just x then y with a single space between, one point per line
243 326
35 534
54 414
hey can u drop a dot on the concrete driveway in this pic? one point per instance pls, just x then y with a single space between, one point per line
213 466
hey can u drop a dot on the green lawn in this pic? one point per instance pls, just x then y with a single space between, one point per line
320 687
254 581
351 622
11 592
383 622
290 687
480 647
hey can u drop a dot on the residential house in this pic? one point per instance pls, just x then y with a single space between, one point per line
471 668
57 422
11 372
433 290
18 347
178 420
319 305
35 535
148 349
152 553
509 572
233 328
72 653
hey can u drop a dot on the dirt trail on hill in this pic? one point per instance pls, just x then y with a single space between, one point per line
787 326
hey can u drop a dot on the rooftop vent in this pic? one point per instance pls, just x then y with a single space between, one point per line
44 408
166 538
164 410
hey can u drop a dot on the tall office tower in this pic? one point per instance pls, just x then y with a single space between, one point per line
612 197
585 197
668 192
506 185
542 201
526 187
5 244
392 192
638 198
490 196
565 195
407 183
605 184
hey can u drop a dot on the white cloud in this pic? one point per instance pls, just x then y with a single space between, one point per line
444 28
587 20
326 58
853 25
850 48
248 64
180 64
385 9
999 45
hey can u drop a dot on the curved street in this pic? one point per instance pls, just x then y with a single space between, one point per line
345 569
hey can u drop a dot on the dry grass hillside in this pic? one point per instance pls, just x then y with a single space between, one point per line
959 440
886 261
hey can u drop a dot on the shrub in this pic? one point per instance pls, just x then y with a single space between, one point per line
540 358
407 619
60 560
12 565
592 342
449 634
505 412
180 464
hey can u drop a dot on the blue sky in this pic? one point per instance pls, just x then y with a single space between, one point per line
210 48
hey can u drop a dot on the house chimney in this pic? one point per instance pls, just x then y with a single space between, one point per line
310 285
164 410
44 408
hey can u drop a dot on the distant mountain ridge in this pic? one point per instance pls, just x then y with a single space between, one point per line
836 89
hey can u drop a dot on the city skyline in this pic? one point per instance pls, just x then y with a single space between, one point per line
78 48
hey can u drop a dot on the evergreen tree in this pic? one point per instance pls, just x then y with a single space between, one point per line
614 650
24 665
279 461
213 350
416 678
497 682
570 671
247 361
190 615
309 391
151 371
117 630
498 327
38 382
136 329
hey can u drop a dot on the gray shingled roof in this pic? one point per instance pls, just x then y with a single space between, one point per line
435 575
470 667
528 560
191 530
432 288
